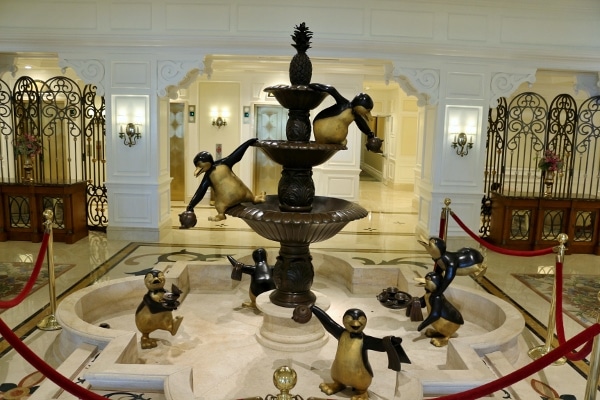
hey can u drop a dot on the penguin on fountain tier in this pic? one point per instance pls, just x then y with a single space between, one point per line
443 317
227 187
331 124
351 366
156 309
261 275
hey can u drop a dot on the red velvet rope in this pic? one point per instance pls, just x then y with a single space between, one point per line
560 328
34 275
520 374
44 368
532 253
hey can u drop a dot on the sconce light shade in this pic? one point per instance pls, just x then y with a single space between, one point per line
461 145
219 122
130 134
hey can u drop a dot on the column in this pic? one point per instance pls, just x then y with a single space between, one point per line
454 101
137 88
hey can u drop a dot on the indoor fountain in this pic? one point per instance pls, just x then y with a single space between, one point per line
221 352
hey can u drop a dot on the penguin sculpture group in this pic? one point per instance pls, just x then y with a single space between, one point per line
261 275
351 366
227 187
444 318
331 124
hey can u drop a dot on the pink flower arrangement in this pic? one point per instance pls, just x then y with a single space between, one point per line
28 145
550 162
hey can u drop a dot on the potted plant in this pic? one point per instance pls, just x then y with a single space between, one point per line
550 164
27 146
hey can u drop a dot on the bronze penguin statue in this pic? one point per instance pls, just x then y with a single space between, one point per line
444 318
331 124
465 261
351 366
228 188
156 309
261 275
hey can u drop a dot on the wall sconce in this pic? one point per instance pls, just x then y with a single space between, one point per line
461 145
219 119
130 133
130 115
462 123
219 122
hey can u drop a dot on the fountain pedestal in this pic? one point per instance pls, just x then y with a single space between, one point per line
279 332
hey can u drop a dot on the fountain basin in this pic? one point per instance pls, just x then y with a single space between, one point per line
327 217
217 334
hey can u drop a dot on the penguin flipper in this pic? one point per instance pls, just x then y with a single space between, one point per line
436 303
395 352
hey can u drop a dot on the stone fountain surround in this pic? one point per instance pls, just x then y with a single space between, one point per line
117 352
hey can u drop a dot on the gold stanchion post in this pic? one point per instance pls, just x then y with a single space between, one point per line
445 215
49 323
544 349
592 381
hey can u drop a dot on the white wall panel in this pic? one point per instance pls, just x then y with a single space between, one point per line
131 75
41 15
131 208
281 18
563 30
468 27
197 17
465 86
402 23
121 16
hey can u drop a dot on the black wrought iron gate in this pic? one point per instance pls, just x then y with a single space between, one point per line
520 131
70 123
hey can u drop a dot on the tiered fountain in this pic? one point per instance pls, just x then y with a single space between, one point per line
296 217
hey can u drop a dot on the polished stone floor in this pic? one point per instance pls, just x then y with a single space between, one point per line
385 237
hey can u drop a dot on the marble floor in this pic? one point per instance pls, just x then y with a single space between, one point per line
385 237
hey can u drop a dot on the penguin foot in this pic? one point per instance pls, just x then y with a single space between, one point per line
479 273
218 217
176 323
432 333
249 304
261 198
362 395
148 343
332 387
439 342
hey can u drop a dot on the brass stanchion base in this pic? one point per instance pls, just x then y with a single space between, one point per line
540 351
49 323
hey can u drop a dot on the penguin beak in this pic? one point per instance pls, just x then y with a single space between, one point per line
365 114
356 325
423 243
200 168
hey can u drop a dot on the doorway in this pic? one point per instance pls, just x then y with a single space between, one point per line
270 125
176 153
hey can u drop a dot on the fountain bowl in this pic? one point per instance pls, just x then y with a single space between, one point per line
296 97
298 154
328 216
